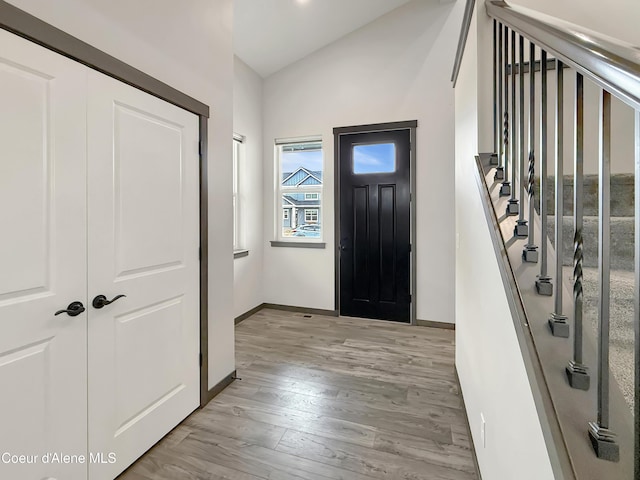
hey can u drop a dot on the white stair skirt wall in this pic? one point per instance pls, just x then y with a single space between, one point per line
143 243
99 194
43 358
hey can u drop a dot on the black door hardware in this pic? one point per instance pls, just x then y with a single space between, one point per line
100 300
74 309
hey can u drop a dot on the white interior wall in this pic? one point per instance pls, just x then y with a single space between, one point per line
488 359
617 18
620 22
188 46
247 121
396 68
622 148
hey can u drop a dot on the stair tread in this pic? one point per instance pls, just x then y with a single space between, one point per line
595 217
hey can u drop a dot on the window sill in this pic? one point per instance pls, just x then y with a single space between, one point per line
277 243
240 253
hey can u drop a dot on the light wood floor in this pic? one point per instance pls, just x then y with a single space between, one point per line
325 398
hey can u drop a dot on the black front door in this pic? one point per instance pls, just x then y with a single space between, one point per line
375 225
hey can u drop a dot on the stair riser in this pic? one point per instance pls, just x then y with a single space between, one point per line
622 195
622 241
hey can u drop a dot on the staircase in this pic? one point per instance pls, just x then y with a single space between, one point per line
622 264
577 309
621 339
622 222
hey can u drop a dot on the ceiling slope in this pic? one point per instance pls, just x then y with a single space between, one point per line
268 35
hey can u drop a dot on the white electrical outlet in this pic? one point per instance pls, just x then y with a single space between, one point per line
483 430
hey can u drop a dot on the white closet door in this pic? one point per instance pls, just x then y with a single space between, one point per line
143 243
43 357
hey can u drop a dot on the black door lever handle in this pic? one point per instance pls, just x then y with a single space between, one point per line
100 300
74 309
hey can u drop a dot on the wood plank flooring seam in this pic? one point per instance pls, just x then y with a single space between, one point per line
325 398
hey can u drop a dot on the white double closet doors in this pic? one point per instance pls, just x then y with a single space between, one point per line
99 195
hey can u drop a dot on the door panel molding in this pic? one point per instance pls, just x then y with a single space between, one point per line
143 182
338 132
27 26
43 357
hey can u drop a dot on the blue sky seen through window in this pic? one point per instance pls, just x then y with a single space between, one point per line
374 158
310 159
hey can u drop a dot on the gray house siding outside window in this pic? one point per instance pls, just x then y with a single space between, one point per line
301 209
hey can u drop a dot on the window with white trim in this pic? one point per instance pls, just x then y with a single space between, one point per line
237 200
299 167
311 215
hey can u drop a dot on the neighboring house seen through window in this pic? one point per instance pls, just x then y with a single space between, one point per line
299 207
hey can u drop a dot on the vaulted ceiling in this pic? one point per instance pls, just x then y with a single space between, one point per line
268 35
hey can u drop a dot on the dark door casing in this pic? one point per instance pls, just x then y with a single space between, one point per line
375 231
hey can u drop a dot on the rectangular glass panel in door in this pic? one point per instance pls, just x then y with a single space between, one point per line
375 225
374 158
